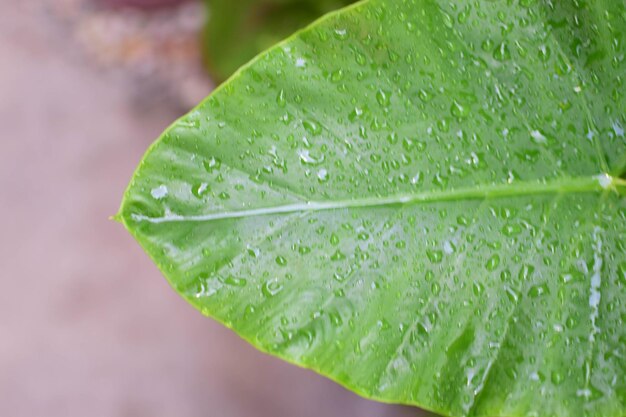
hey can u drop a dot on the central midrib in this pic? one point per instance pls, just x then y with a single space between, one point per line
596 183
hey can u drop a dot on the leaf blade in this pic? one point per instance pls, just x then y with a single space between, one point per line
298 259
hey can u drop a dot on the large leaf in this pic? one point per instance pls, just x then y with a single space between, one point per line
238 30
419 199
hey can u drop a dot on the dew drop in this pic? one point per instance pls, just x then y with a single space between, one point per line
308 159
280 260
341 34
199 190
511 229
159 192
337 256
538 137
235 281
435 256
556 377
312 127
382 98
538 290
502 53
459 110
281 100
493 262
271 288
212 164
337 76
477 288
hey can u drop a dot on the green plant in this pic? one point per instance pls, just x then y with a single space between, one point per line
422 200
236 31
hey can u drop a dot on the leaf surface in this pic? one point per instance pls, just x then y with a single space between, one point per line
418 199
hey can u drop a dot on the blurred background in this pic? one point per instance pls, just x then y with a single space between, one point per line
88 326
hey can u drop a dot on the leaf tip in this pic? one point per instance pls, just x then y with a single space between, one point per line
117 218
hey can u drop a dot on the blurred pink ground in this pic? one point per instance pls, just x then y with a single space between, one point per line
88 327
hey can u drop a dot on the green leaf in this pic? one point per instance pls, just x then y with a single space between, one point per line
418 199
236 31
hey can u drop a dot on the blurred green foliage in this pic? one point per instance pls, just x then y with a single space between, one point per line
237 30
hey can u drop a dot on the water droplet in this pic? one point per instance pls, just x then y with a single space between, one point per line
487 45
337 76
337 256
360 58
511 372
308 159
556 378
544 53
511 229
341 34
235 281
340 277
424 95
199 190
253 252
271 288
421 329
538 137
281 99
512 294
448 247
322 175
538 290
280 260
526 272
382 98
493 262
571 322
159 192
435 256
312 127
249 311
212 164
459 110
477 288
502 53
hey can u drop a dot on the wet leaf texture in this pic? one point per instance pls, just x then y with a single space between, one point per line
418 199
